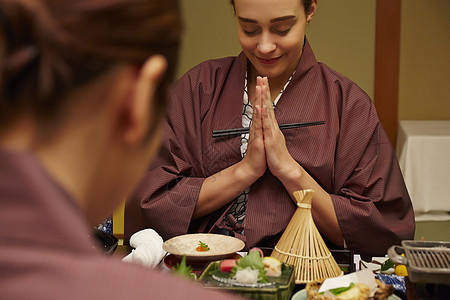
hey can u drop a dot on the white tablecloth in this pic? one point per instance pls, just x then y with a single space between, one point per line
423 149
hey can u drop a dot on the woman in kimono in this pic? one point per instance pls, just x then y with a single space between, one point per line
243 185
80 100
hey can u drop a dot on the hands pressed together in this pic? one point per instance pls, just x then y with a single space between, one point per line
267 149
266 145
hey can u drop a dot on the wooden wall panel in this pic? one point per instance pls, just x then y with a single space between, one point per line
387 64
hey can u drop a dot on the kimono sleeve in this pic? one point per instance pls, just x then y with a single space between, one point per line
370 198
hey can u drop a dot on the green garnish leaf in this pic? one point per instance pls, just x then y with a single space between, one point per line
202 246
340 290
387 265
184 270
252 260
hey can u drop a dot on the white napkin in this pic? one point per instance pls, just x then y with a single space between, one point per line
148 248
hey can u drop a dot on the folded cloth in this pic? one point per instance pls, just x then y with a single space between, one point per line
148 248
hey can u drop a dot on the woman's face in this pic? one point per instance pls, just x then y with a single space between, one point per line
271 34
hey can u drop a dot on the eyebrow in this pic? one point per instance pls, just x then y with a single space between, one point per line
284 18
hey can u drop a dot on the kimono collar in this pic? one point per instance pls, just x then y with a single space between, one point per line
243 61
307 61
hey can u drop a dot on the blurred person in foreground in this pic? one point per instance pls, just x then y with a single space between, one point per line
82 88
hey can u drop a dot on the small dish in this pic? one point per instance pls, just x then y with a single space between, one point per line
221 246
278 288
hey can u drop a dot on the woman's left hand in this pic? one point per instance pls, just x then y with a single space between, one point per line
290 173
279 160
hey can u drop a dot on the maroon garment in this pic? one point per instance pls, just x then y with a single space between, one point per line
350 157
46 251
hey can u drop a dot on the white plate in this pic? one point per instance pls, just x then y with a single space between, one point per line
301 295
221 246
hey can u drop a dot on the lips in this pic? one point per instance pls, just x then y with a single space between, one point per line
268 61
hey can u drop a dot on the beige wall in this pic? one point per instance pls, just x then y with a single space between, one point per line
210 32
424 91
342 34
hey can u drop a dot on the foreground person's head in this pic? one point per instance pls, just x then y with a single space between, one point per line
82 85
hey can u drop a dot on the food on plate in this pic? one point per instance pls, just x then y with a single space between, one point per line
247 267
211 246
252 268
355 291
202 247
245 271
248 275
246 281
360 285
227 265
272 266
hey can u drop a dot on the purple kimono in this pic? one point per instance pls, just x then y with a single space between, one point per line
350 157
46 251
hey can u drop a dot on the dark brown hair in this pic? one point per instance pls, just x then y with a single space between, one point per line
306 5
48 47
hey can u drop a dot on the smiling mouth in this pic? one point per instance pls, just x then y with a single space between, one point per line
269 61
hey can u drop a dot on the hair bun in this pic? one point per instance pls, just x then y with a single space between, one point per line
18 47
48 47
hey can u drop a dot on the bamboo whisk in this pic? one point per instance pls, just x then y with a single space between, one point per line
302 246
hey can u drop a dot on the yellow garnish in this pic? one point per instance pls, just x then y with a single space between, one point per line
400 270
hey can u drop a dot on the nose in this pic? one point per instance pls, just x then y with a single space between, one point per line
266 44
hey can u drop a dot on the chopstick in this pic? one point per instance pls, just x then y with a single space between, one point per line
244 130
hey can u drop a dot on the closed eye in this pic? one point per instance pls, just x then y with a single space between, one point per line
250 32
282 32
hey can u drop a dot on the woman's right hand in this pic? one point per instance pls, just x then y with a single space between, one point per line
223 187
255 157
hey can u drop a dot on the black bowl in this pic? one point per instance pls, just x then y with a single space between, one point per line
107 242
